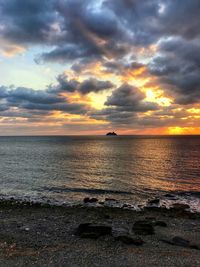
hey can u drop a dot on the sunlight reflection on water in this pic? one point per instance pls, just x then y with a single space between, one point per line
135 167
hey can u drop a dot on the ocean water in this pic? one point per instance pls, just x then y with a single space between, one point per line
130 169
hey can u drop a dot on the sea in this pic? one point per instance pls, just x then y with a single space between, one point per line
131 170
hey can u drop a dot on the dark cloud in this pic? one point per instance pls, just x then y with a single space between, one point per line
121 67
181 18
178 68
77 29
84 87
123 105
22 94
38 100
80 29
64 84
113 32
49 100
25 22
129 98
3 92
126 95
94 85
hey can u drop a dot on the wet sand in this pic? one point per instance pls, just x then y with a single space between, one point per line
36 235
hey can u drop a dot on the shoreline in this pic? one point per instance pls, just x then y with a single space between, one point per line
170 202
33 234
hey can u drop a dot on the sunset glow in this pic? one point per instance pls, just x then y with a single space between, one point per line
83 63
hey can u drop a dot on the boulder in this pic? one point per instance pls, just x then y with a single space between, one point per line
87 230
90 200
143 228
155 201
116 232
180 206
179 241
110 199
160 223
169 195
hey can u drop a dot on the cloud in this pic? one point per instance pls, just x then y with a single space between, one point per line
15 101
84 87
94 85
150 44
38 100
129 98
25 22
177 67
124 104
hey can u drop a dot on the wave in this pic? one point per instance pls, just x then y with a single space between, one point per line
85 190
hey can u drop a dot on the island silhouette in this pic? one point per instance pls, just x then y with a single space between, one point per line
111 133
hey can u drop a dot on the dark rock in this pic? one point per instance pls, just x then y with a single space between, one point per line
87 230
195 247
90 235
116 232
167 241
170 196
179 206
150 218
143 228
160 223
90 200
110 199
126 239
152 208
127 205
179 241
155 201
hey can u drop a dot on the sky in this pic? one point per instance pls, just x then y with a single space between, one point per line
92 66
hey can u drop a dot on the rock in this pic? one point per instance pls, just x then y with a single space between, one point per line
90 200
116 232
195 247
179 241
171 197
126 239
24 228
126 205
180 206
155 201
106 216
152 208
160 223
87 230
143 228
110 199
150 218
90 235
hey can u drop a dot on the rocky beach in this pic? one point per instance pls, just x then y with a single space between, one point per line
34 234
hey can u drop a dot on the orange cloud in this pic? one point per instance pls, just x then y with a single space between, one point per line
11 50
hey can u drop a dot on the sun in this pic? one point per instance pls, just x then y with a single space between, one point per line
175 130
